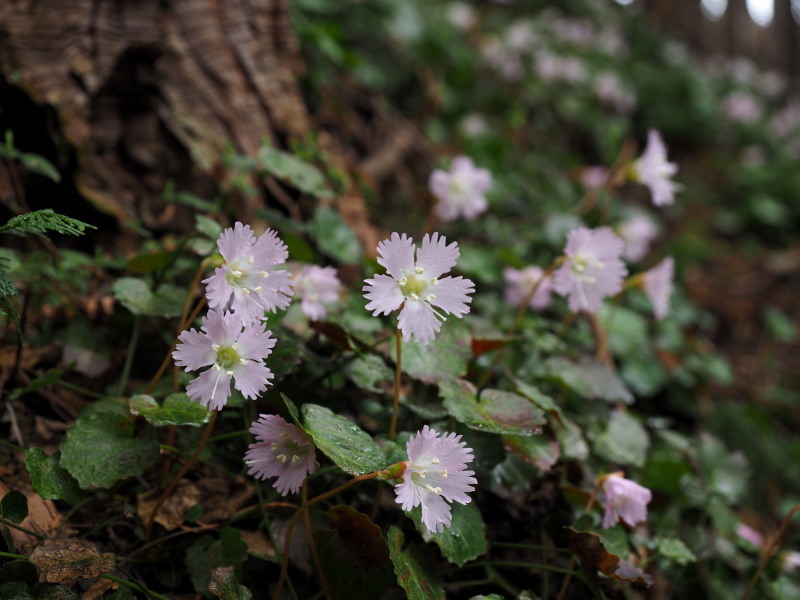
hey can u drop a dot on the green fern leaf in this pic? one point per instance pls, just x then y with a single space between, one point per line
42 221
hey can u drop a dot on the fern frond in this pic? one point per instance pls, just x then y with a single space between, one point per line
7 287
42 221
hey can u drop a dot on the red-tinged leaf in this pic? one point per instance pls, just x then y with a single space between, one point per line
483 346
591 550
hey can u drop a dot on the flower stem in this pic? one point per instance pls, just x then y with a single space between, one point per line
13 525
769 551
523 307
293 522
165 363
126 369
397 376
175 480
312 546
134 586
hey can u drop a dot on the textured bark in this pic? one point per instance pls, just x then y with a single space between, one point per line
149 91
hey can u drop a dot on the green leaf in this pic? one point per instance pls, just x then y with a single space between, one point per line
14 590
208 227
102 448
334 237
444 359
52 376
570 437
464 540
19 570
225 586
538 450
354 555
368 372
496 412
147 262
302 175
7 287
625 441
14 506
50 480
42 221
675 550
590 378
177 410
40 165
54 591
341 440
206 554
418 584
137 297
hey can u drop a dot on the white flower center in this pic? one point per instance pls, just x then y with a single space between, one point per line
458 189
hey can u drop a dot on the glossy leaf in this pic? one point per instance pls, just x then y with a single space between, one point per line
341 440
496 412
14 506
177 410
464 540
590 378
444 358
411 576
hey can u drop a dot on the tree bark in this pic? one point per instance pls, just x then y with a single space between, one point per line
149 91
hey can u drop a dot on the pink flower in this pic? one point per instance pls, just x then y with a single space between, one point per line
316 286
519 285
742 107
790 560
658 286
282 450
435 472
637 233
414 284
461 190
233 349
248 281
749 534
653 170
594 177
592 269
626 500
613 93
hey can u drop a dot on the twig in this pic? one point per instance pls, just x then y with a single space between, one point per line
312 546
293 522
397 377
179 476
769 551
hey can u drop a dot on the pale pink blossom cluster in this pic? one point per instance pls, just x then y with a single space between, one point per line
610 91
461 191
435 474
742 107
626 500
638 232
658 286
281 450
592 269
233 339
520 282
317 287
653 170
413 283
553 67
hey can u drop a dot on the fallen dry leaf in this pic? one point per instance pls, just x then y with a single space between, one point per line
42 516
59 560
99 587
172 513
590 549
258 543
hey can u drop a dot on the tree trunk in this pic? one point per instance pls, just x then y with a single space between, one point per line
150 91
